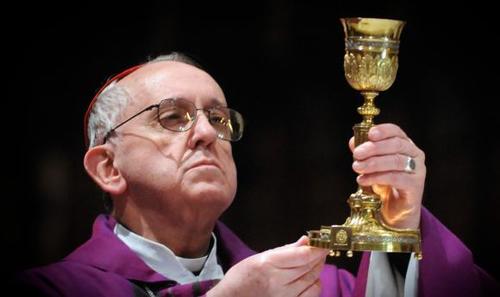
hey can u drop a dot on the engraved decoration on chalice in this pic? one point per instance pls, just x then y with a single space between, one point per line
370 66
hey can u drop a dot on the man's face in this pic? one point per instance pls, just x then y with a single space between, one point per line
174 171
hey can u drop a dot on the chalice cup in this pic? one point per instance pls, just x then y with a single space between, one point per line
370 66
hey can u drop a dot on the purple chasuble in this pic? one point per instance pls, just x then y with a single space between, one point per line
105 266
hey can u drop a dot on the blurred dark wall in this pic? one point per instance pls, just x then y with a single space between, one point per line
280 64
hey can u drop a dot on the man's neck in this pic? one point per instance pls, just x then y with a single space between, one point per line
189 239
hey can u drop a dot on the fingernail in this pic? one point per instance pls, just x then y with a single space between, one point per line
359 151
359 179
302 240
374 134
357 165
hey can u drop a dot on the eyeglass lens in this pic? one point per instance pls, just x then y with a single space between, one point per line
179 115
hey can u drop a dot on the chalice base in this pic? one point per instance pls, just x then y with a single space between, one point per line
364 230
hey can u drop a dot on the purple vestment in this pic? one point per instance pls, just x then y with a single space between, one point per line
105 266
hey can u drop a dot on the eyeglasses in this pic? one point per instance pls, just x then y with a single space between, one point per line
179 115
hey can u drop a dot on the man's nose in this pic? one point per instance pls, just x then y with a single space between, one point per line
203 133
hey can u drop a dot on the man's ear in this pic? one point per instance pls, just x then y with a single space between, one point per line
98 163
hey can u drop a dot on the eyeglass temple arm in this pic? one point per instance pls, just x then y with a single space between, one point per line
128 120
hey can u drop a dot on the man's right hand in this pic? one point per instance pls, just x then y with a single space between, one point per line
288 271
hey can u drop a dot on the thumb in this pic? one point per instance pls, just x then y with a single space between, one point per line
303 240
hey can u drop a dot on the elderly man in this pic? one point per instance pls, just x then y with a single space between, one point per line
159 145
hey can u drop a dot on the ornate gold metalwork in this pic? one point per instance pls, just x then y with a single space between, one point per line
370 66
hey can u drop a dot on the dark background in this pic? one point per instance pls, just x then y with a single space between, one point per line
280 64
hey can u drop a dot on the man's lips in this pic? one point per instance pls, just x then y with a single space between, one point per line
202 163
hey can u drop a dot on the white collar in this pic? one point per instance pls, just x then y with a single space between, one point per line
162 260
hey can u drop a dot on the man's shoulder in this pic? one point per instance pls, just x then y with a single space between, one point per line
62 269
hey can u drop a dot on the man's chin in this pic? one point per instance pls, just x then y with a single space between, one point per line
210 193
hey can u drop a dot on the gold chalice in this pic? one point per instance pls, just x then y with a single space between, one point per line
370 66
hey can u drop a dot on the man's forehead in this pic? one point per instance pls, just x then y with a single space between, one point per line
172 79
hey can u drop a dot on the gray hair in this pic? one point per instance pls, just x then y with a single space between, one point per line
111 102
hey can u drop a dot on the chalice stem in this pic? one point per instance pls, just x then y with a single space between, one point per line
368 111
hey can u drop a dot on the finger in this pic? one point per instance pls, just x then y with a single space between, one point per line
291 256
303 240
308 271
313 290
399 180
351 144
306 280
383 131
381 164
385 191
393 145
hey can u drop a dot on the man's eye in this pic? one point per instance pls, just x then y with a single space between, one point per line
218 119
173 118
